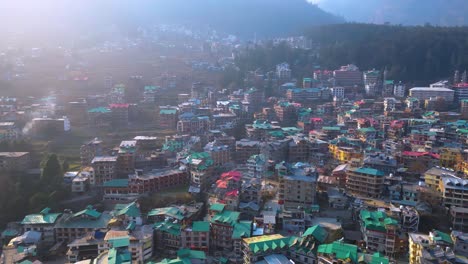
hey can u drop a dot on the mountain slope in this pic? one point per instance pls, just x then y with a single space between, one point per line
244 17
406 12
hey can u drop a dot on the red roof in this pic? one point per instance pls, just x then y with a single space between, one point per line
231 175
233 193
461 85
316 119
118 105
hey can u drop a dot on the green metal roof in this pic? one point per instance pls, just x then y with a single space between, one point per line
130 209
217 207
376 220
317 232
173 212
369 171
341 250
116 256
367 130
89 211
441 236
226 217
118 242
167 111
45 217
201 226
85 222
271 242
191 254
335 128
116 183
242 229
99 110
378 258
168 227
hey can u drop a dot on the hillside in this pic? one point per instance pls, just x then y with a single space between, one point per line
265 18
406 12
416 53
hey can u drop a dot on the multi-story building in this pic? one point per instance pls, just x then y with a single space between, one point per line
348 75
119 115
461 91
105 169
283 72
245 148
303 95
433 248
126 157
42 222
75 225
338 92
196 237
464 108
200 165
167 117
47 127
412 103
380 161
365 182
423 93
193 124
221 154
14 161
433 177
381 233
297 184
90 150
459 218
399 90
155 180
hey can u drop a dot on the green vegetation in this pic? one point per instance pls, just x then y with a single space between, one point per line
422 53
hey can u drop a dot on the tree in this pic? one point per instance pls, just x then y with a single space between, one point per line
65 165
52 172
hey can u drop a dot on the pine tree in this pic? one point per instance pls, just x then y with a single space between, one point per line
52 171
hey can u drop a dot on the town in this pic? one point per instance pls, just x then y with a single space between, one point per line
341 165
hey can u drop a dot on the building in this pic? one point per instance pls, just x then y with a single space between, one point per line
461 91
348 75
157 179
338 92
227 232
437 247
399 90
47 127
200 165
167 118
90 150
119 115
105 169
283 72
297 184
365 182
303 94
76 225
221 154
126 157
42 222
423 93
459 218
380 161
14 161
193 124
464 108
381 233
197 236
245 148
